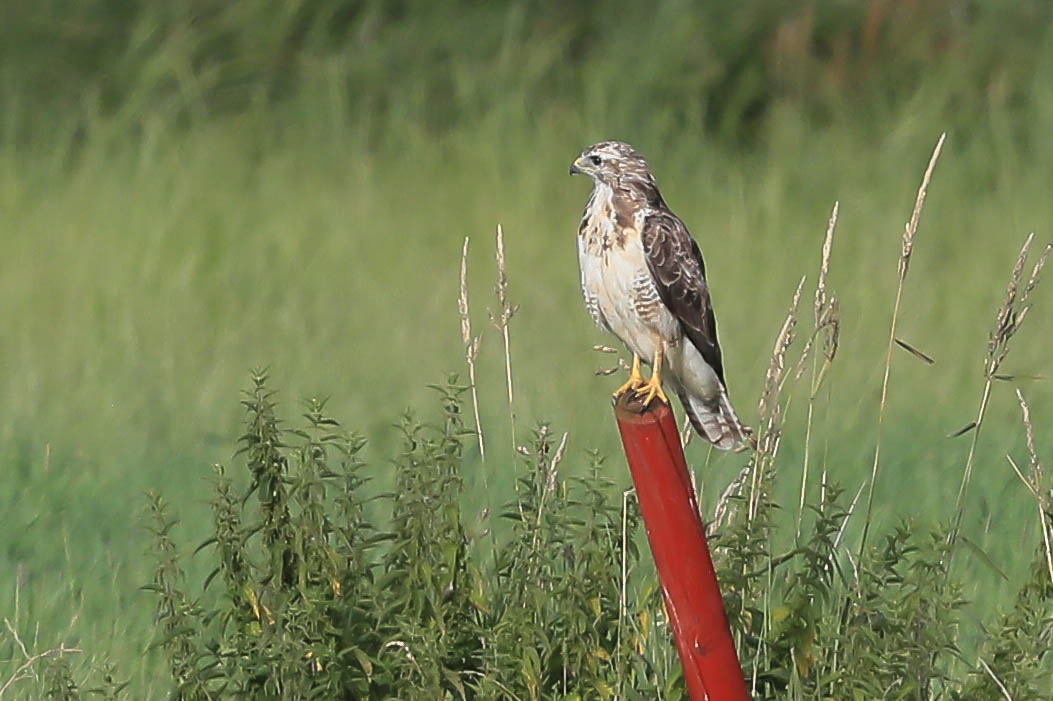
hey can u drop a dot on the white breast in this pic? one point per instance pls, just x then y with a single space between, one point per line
617 284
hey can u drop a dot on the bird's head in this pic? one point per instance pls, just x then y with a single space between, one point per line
611 162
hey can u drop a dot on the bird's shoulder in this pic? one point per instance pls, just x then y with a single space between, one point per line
672 252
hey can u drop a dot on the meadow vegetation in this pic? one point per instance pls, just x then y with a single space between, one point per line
191 190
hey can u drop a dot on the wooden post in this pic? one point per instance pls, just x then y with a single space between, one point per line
681 555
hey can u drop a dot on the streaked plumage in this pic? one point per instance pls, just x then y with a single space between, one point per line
644 280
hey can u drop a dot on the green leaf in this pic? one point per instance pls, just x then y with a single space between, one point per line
983 557
363 662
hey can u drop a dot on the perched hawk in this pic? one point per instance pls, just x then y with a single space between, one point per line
644 281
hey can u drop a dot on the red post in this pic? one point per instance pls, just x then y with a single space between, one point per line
681 555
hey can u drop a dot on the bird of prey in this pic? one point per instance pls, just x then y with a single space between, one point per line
644 281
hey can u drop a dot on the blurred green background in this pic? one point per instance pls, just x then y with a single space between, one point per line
189 190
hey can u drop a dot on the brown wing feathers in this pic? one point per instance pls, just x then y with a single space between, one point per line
680 276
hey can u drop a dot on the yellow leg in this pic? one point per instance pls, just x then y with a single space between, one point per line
636 379
653 387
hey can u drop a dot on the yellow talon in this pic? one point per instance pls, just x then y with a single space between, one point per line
636 379
653 387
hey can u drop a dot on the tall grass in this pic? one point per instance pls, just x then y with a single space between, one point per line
1010 316
909 232
724 68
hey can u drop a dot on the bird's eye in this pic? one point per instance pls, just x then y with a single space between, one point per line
595 160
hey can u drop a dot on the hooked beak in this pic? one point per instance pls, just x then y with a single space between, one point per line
576 166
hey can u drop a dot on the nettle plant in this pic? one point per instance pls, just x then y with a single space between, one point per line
310 599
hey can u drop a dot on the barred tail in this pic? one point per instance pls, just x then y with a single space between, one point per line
716 421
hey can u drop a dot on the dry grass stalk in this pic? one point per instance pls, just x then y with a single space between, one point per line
1015 306
471 345
1035 481
623 590
824 266
623 606
1011 313
27 670
550 481
685 436
620 365
830 345
848 517
775 377
906 250
771 410
770 413
826 319
723 510
997 681
500 321
919 203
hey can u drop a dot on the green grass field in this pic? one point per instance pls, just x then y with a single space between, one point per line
142 276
